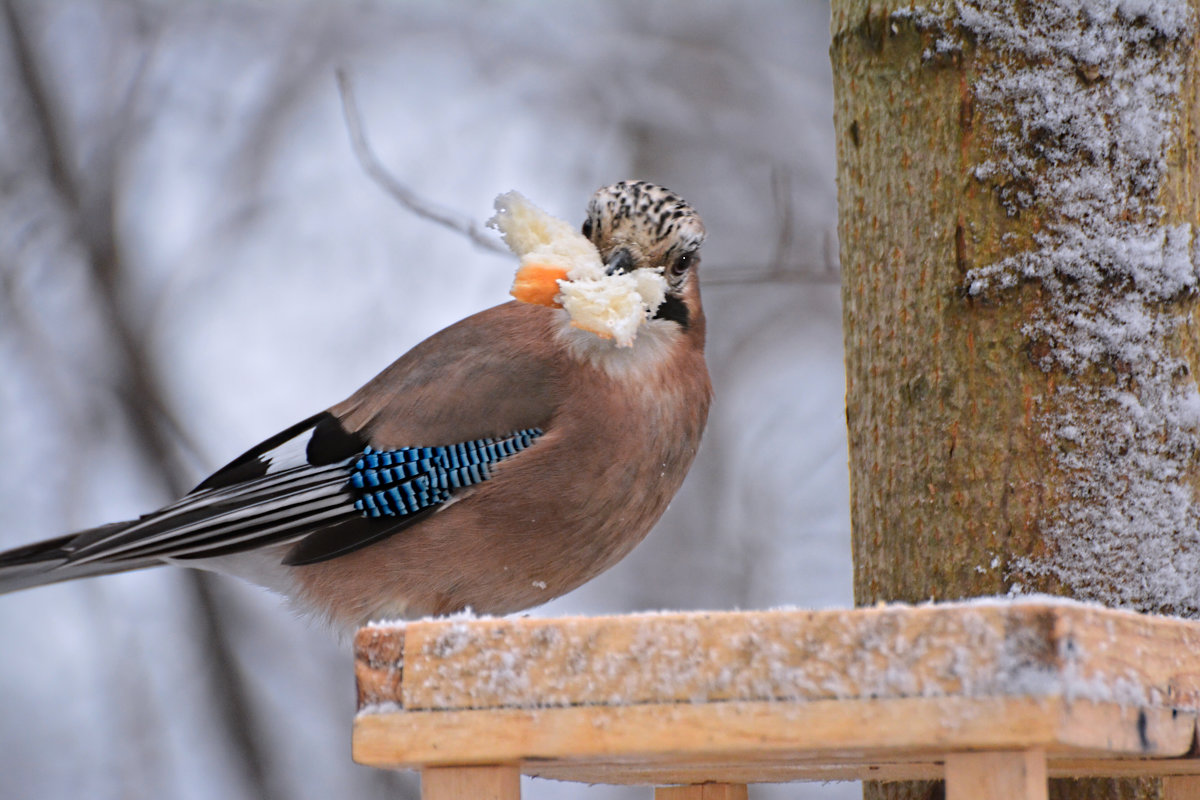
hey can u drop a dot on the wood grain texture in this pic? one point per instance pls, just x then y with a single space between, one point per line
964 480
1015 775
476 783
949 473
557 742
886 693
1181 787
956 400
378 665
800 769
949 650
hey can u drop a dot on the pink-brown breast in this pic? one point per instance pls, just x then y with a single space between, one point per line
616 447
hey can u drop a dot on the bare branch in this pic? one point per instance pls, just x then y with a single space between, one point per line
38 102
781 188
783 269
371 164
481 237
141 390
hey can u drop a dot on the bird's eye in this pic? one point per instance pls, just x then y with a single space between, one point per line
586 230
682 264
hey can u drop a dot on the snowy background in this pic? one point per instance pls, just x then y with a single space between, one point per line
191 258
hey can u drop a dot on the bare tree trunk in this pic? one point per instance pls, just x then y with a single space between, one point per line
1016 230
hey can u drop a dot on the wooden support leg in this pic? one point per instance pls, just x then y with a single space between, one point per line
477 783
1006 775
702 791
1181 787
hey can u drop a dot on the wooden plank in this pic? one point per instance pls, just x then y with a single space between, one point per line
882 693
829 768
378 665
971 649
1181 787
1123 768
843 731
1011 775
735 772
702 791
501 782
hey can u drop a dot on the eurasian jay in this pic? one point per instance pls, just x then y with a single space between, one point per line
498 464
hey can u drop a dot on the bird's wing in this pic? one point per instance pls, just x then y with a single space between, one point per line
393 489
491 373
431 425
279 492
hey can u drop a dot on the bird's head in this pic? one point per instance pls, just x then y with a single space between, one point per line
631 267
635 224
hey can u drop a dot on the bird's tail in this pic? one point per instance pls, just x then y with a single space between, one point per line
46 562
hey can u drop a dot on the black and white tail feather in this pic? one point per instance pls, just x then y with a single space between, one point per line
309 494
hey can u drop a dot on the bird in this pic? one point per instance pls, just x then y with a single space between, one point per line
498 464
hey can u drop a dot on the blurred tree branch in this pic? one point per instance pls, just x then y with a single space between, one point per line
781 272
374 168
139 387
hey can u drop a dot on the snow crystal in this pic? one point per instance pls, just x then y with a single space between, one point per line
1081 98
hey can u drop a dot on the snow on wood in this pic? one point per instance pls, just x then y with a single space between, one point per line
1040 649
1082 100
781 695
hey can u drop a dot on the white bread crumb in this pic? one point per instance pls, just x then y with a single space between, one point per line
539 238
611 306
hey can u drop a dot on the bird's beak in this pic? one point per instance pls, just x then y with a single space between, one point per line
619 261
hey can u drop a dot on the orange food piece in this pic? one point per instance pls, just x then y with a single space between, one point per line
538 284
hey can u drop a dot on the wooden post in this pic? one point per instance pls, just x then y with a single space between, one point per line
478 783
1017 229
702 791
1012 775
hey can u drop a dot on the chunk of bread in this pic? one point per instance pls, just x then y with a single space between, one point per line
560 267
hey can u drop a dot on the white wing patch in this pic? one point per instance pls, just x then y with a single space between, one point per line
292 453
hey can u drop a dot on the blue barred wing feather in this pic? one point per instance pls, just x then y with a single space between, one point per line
397 488
314 486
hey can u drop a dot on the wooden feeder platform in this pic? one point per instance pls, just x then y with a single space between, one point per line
991 696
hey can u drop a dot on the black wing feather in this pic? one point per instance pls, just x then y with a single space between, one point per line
314 485
346 537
